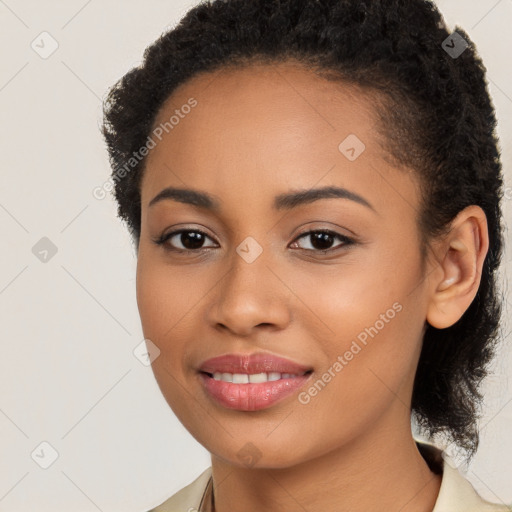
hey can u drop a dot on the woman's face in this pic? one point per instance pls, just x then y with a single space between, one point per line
349 307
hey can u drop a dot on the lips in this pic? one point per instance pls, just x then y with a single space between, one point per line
252 364
251 382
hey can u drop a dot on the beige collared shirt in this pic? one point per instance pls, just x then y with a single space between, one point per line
455 495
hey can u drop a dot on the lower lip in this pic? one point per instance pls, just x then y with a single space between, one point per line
251 397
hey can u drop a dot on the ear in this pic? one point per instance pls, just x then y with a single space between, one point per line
460 255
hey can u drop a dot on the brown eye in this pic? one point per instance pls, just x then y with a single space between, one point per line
322 240
184 240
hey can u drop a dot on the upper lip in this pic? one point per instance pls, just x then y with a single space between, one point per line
252 363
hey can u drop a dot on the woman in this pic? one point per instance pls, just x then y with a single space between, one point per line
313 188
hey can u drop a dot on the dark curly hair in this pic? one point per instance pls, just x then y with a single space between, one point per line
434 104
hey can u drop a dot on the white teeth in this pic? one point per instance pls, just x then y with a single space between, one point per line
255 378
258 377
240 378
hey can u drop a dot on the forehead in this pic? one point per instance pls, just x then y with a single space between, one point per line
261 99
276 125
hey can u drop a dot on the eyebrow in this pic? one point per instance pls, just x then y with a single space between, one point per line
285 201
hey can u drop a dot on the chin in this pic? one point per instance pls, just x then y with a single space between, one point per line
258 454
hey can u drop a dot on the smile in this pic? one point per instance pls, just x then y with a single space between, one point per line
252 378
251 392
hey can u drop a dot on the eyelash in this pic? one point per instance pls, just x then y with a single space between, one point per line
161 241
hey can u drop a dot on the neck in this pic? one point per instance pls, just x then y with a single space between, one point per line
372 473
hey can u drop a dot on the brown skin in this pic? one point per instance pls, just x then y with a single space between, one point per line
256 133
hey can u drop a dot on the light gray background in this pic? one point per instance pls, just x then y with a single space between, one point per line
69 326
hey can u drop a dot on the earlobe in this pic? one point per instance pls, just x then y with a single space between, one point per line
462 254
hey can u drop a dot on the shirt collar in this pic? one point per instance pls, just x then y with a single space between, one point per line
455 494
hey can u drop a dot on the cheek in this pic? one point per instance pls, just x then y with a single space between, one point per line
372 327
165 297
163 316
170 301
160 310
368 371
151 299
352 296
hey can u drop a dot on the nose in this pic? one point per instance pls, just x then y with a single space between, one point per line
250 296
